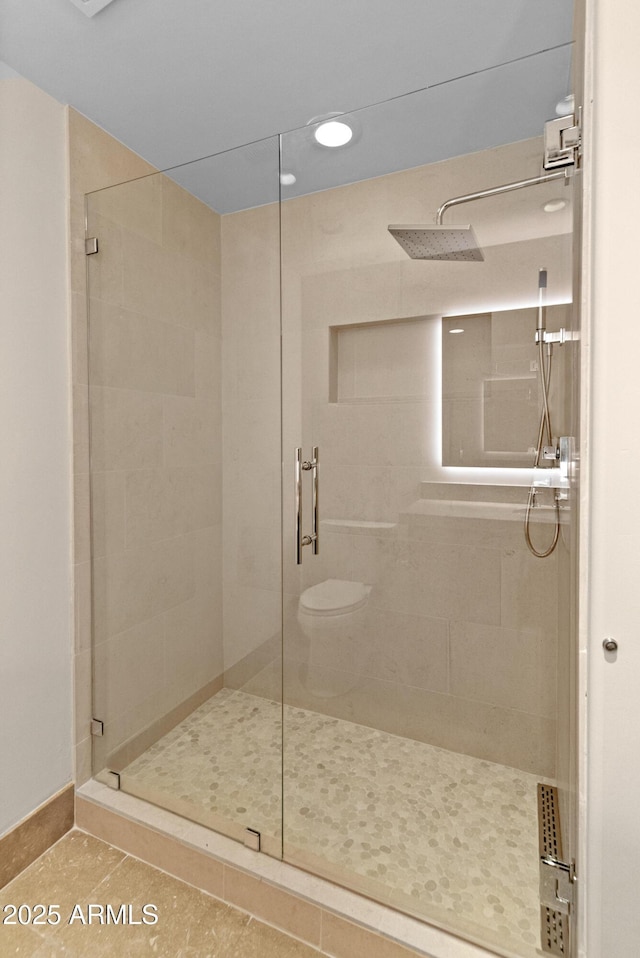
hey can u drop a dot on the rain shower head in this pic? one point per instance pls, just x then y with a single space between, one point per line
457 242
438 242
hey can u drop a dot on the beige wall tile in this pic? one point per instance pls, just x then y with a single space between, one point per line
192 431
108 511
525 579
507 736
135 206
83 697
188 226
83 761
408 649
97 159
80 429
432 580
80 354
343 939
131 350
82 606
129 667
293 915
139 584
126 429
160 504
506 667
101 274
151 846
81 519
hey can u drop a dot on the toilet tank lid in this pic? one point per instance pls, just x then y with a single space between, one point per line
334 595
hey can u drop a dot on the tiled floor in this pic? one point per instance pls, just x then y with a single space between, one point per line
440 835
81 870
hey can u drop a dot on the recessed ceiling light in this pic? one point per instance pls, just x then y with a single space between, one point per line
333 133
554 206
287 179
453 331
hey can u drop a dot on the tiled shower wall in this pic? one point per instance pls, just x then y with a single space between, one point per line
458 644
457 649
154 406
252 602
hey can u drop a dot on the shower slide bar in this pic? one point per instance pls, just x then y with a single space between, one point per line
308 465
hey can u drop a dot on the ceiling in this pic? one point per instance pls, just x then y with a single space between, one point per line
176 80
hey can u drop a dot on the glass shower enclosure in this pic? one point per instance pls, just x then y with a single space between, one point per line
317 624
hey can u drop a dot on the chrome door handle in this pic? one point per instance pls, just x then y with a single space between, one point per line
306 466
299 506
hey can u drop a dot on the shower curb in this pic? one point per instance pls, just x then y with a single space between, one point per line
323 915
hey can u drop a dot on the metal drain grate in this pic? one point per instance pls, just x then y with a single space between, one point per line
549 836
554 923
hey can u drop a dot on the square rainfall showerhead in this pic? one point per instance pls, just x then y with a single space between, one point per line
438 242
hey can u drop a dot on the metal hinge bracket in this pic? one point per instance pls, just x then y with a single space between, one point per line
97 727
252 839
557 881
562 142
112 779
91 245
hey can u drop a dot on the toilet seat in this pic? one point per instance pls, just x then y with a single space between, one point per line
334 597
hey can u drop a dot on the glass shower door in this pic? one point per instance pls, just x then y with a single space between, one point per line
425 647
184 405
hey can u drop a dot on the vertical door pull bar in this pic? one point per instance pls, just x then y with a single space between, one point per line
299 506
312 467
315 523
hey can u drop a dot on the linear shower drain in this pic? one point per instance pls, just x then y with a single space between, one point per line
554 921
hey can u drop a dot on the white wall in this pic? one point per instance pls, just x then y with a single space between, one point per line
613 780
35 471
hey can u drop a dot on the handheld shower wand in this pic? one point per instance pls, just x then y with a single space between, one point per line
543 451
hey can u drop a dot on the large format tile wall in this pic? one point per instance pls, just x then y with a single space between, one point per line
458 643
252 597
460 633
154 408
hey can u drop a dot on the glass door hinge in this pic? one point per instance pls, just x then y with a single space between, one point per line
97 727
557 881
562 142
91 245
252 839
112 779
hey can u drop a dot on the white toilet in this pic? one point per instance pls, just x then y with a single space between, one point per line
332 616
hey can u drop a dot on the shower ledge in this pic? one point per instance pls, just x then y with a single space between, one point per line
358 527
469 509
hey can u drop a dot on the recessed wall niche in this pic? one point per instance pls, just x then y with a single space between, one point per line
382 361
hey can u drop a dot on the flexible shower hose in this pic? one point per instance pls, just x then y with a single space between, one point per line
544 430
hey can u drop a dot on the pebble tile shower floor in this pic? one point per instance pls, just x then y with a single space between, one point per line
443 836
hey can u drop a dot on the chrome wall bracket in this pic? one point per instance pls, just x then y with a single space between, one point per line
562 142
97 727
112 779
252 839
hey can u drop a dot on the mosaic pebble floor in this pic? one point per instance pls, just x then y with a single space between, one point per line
443 836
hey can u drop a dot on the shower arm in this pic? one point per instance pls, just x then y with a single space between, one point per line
494 191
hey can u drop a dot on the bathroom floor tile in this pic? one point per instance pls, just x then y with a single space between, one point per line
441 835
191 924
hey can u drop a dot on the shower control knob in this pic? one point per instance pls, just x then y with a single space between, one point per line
610 645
